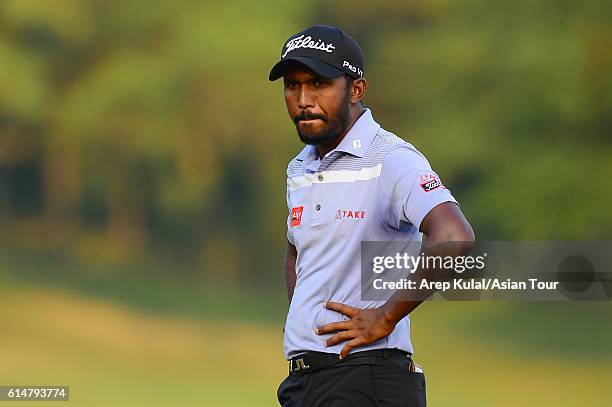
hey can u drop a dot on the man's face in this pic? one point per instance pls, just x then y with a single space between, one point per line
318 106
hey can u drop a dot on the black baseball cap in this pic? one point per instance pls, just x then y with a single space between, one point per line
326 50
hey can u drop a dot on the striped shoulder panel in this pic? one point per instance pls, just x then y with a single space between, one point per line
389 138
295 168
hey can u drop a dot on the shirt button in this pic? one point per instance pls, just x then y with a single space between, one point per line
318 207
320 177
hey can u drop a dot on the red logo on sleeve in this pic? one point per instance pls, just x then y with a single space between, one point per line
429 182
296 215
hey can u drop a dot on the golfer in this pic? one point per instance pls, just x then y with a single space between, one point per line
352 182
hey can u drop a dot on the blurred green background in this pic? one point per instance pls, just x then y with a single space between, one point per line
142 182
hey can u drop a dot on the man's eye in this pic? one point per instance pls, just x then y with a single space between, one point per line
319 84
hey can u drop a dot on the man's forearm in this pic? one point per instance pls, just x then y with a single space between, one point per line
403 302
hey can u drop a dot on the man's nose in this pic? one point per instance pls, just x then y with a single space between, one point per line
305 99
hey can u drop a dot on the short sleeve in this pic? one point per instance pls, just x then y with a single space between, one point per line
289 231
408 188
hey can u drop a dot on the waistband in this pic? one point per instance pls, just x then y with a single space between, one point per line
312 361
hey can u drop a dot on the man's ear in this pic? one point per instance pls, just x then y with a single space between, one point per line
359 89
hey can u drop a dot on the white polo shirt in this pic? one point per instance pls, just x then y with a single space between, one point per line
373 187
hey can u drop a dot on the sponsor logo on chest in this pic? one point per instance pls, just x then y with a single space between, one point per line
350 213
296 215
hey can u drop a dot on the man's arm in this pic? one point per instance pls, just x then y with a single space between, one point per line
290 276
444 223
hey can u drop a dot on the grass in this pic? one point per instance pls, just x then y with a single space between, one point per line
112 355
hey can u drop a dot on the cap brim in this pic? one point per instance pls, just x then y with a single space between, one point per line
320 68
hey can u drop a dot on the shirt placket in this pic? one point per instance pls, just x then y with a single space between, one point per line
317 196
315 192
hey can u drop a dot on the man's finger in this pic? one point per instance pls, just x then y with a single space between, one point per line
333 327
340 337
342 308
349 346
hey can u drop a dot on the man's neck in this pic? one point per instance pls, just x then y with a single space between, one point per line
323 149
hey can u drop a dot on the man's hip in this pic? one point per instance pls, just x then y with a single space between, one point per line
385 378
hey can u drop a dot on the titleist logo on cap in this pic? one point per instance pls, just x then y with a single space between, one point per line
327 51
307 42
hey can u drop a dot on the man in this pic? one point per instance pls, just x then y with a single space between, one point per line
352 182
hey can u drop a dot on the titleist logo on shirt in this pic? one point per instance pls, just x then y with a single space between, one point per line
301 42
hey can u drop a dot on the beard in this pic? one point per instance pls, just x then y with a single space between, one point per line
331 129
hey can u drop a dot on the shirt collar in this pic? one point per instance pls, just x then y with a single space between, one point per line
355 142
308 153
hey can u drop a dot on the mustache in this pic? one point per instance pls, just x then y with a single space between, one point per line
305 115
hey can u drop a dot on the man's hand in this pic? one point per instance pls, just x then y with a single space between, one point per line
365 326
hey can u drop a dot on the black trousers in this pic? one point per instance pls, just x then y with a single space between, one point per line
383 382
